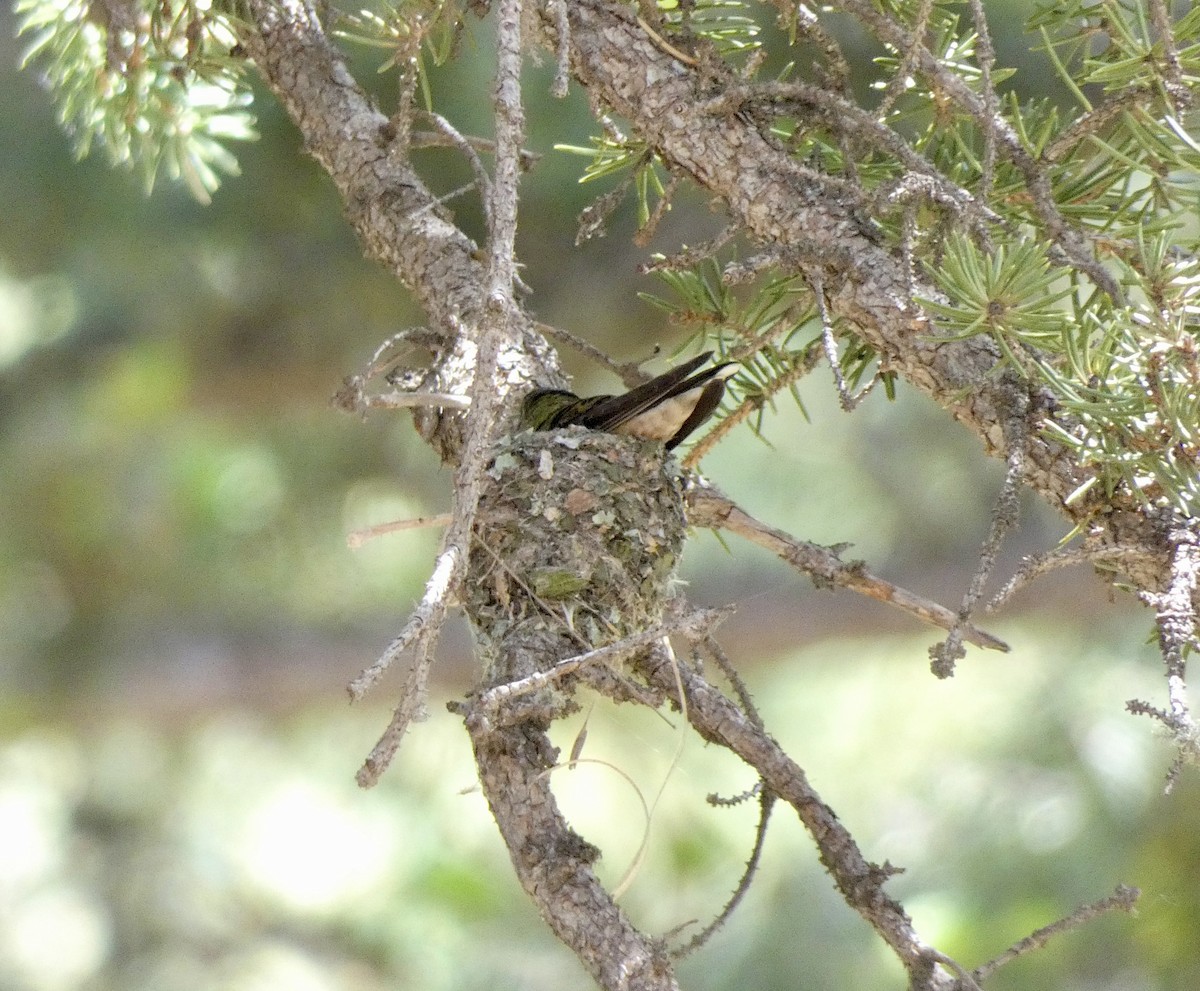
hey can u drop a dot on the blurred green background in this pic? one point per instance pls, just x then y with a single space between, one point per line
179 614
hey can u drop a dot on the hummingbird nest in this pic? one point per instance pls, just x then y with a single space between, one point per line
577 538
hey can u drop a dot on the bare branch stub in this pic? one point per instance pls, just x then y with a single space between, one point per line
766 803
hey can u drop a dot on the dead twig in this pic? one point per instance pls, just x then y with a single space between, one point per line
356 538
1123 898
710 508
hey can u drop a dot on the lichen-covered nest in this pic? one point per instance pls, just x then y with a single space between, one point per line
577 538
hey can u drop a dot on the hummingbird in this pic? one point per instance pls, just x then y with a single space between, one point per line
667 408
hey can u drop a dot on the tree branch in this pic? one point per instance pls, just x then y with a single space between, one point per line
708 507
719 721
817 220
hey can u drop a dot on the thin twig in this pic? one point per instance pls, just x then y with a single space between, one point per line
482 180
662 43
717 652
808 25
593 217
944 655
695 623
408 400
766 802
1174 83
899 82
645 234
748 269
966 982
510 133
690 257
421 633
435 592
1036 565
356 538
628 371
437 139
383 356
1095 120
847 401
1123 898
710 508
986 57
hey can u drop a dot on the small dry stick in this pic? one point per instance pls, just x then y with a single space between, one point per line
1123 898
385 354
848 402
1095 120
421 633
408 400
1160 17
593 218
1035 566
562 72
735 680
986 57
482 180
899 82
737 273
944 655
766 802
661 43
436 590
436 139
965 981
627 370
645 233
693 256
356 538
708 507
698 623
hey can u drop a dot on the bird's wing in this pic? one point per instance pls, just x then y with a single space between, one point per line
610 412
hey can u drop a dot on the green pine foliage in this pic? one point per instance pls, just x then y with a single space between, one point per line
725 23
409 32
976 197
1117 156
153 85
